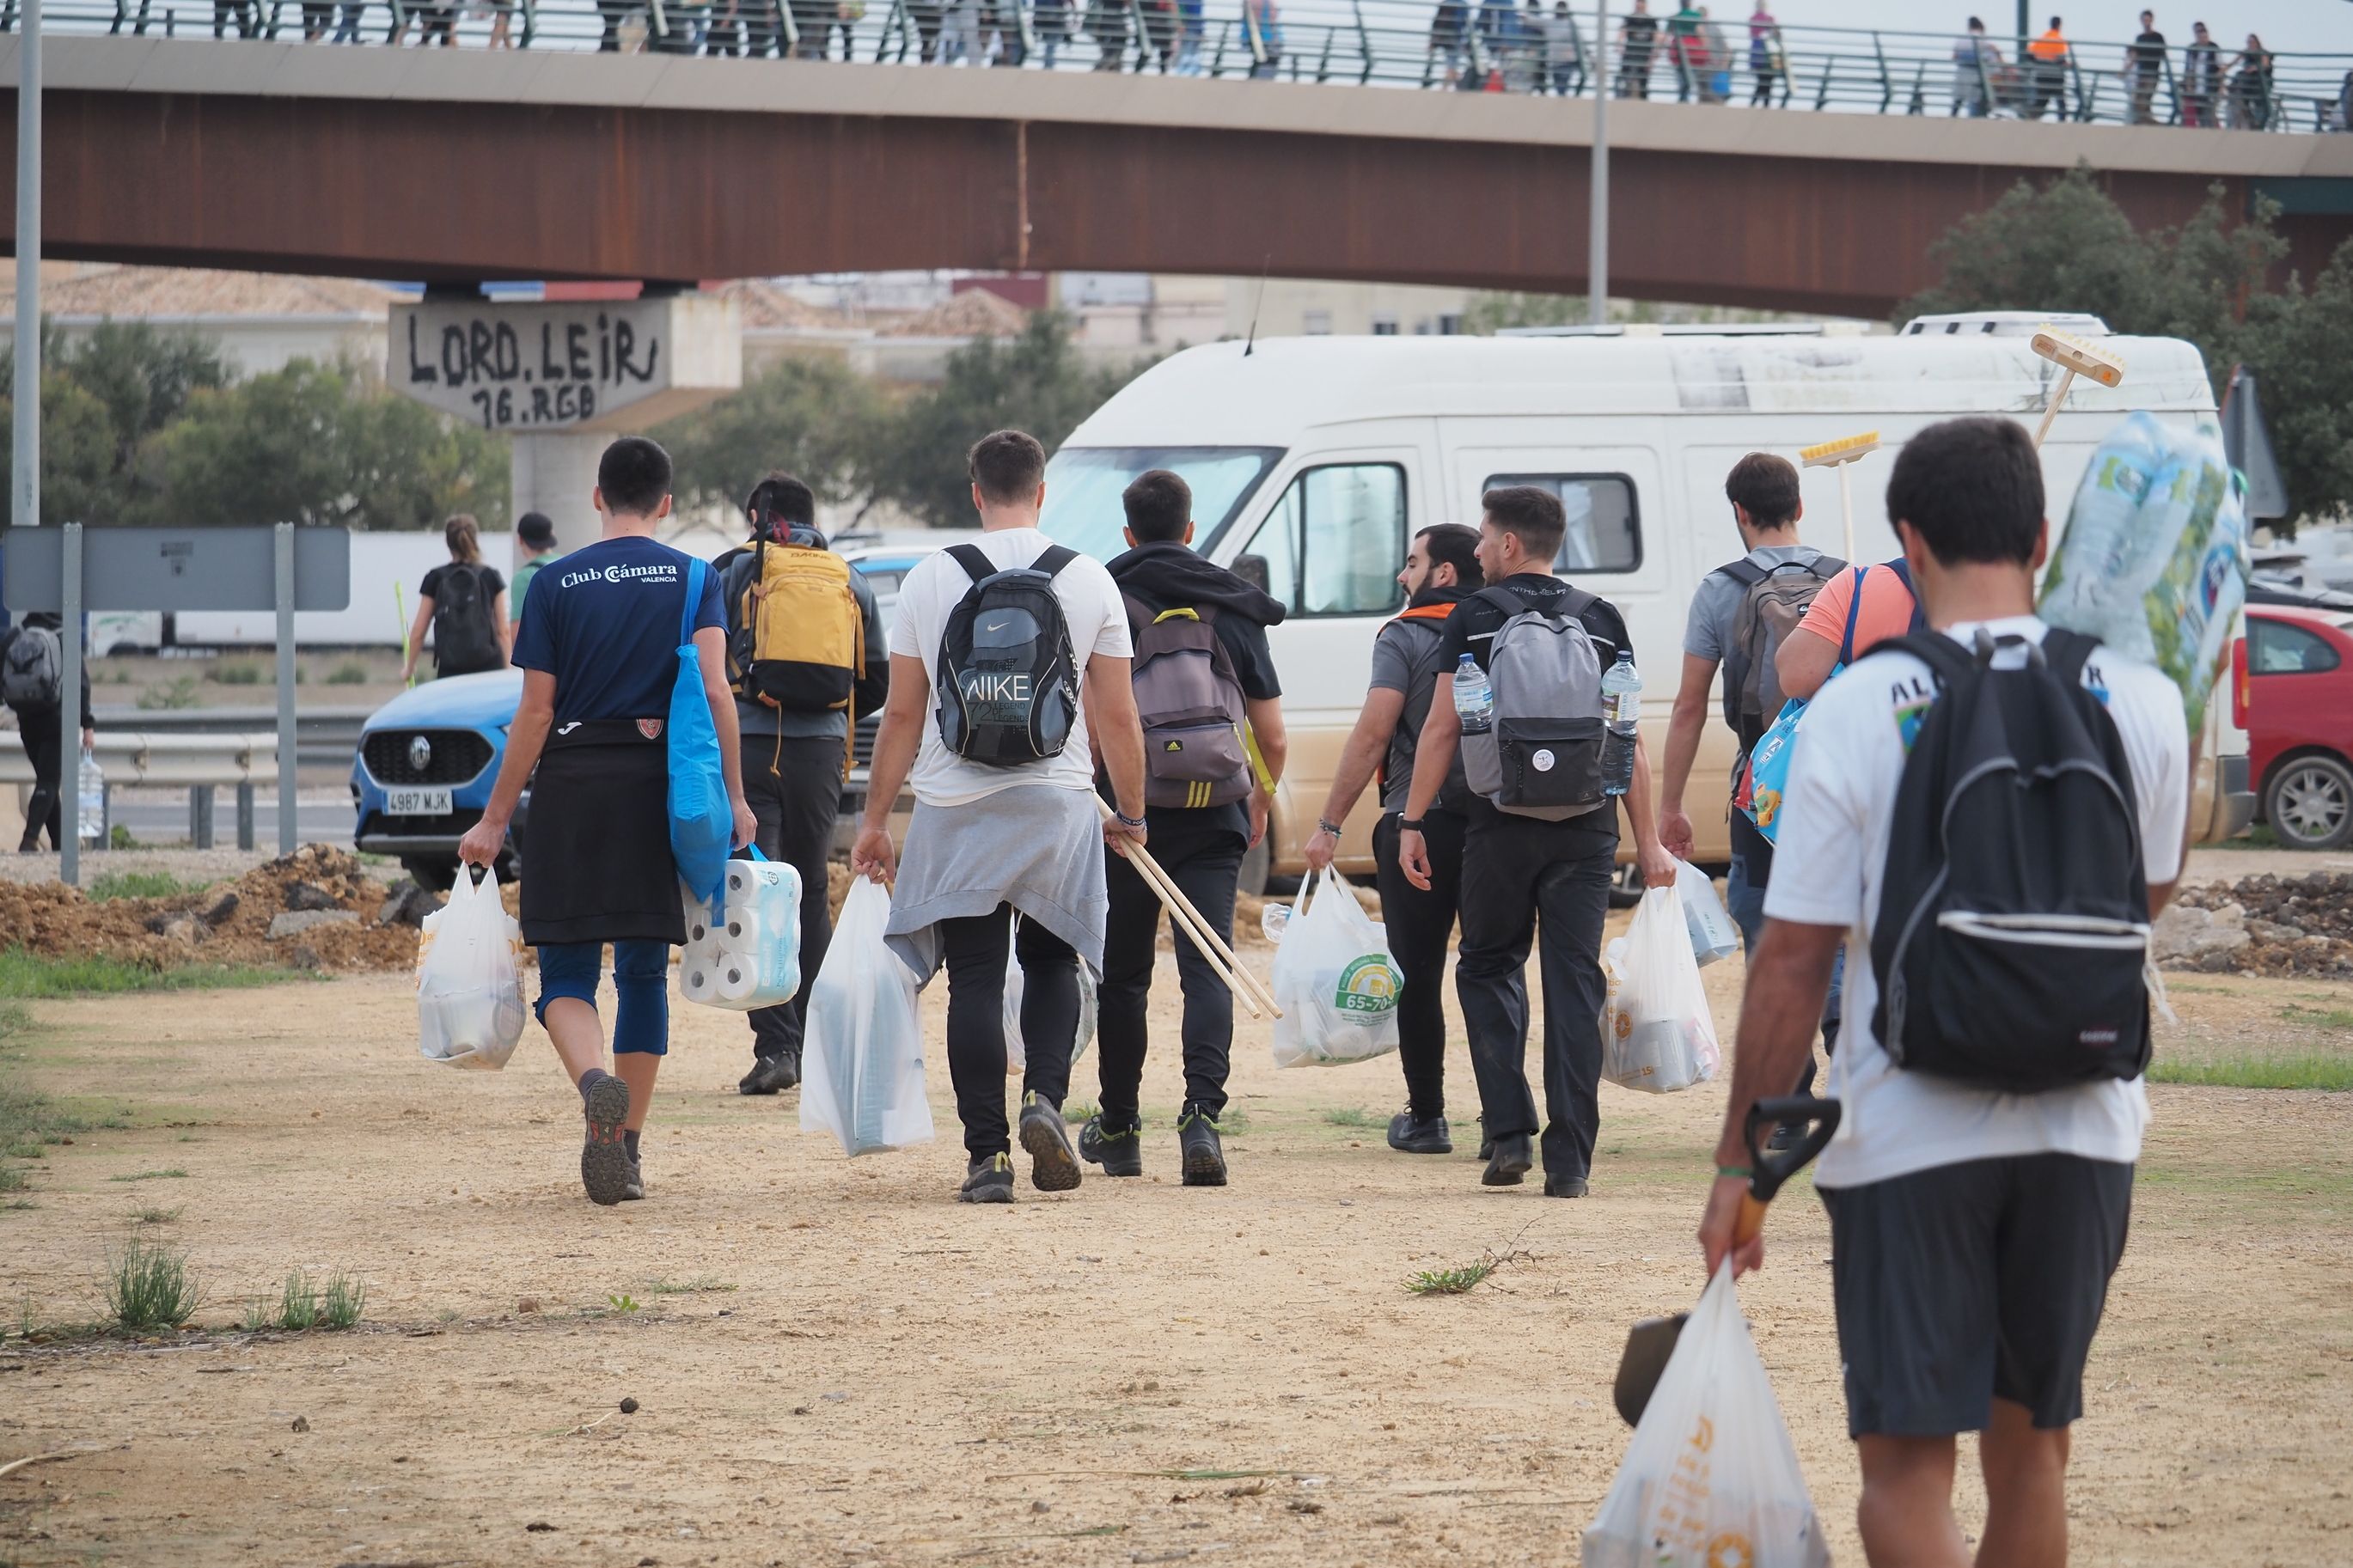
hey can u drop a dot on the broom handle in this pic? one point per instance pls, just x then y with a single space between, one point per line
1240 981
2051 409
1846 506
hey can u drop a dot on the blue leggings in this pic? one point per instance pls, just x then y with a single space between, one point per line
640 979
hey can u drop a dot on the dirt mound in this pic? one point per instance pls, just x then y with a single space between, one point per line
322 905
2262 925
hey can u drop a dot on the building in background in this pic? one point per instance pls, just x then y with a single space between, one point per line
260 321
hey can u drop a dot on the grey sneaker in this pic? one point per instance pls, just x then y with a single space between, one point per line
604 1157
771 1075
988 1180
1053 1167
636 1191
1119 1153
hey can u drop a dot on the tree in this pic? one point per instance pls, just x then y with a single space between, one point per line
77 443
103 397
2066 246
814 418
306 444
1035 381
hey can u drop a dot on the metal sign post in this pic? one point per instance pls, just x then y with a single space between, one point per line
285 594
25 509
69 713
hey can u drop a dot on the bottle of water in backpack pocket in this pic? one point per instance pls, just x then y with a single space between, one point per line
92 795
1621 715
1475 697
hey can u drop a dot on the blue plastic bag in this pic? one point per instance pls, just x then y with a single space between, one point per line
1763 781
702 823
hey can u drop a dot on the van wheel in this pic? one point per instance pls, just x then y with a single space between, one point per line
1258 860
1626 888
2309 804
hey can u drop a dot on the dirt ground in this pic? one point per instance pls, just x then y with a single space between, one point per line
836 1364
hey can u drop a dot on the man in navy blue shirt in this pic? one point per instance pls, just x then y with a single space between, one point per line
599 655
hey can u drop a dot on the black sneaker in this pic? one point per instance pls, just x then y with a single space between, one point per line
1511 1159
771 1075
1411 1134
604 1157
1204 1155
1053 1167
1119 1153
988 1180
1561 1184
1486 1143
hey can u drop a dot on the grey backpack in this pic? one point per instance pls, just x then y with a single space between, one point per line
1190 704
1774 601
32 671
1541 755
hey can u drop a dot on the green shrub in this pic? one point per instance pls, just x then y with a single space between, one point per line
148 1287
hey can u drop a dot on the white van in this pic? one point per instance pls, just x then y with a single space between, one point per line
1320 456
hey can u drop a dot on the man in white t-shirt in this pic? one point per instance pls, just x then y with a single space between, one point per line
1974 1232
989 841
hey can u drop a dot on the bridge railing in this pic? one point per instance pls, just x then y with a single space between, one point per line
1461 44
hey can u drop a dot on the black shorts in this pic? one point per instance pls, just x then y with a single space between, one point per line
1964 1283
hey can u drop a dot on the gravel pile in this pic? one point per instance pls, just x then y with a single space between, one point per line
2264 924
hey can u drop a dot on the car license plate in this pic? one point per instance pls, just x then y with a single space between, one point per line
416 802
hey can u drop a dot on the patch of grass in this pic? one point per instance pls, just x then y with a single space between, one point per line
26 1152
624 1302
12 1178
119 837
257 1315
1233 1120
1076 1111
24 974
297 1302
171 1174
151 1215
353 673
234 674
180 691
2319 1017
140 884
14 1019
700 1285
1349 1116
2244 1069
148 1287
339 1307
1455 1282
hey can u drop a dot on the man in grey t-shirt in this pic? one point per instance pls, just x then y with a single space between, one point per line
1442 567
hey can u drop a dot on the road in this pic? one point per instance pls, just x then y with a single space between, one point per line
162 816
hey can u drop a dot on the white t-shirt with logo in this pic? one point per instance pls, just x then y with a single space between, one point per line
1098 624
1827 867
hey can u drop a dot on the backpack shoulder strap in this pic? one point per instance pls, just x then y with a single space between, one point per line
1903 570
1824 566
1745 571
1946 658
695 576
1053 560
2066 652
976 562
1853 613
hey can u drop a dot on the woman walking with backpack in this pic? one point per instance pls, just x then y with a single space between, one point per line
465 603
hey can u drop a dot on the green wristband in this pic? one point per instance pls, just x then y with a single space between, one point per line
1737 1173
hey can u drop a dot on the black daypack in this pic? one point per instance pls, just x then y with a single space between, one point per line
1006 682
1189 701
2013 908
464 640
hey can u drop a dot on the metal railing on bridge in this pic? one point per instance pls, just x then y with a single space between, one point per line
1489 46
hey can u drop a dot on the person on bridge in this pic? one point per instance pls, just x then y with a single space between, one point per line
797 756
2145 65
1538 881
599 660
1442 569
1168 592
2050 85
2201 79
465 604
1006 817
1638 37
1767 60
1975 61
2250 87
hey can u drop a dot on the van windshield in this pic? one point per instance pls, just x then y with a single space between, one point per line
1083 486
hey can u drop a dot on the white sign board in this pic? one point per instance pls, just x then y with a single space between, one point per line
587 366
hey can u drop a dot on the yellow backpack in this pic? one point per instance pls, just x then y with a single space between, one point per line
800 639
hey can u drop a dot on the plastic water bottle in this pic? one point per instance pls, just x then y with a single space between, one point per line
1475 697
92 798
1273 919
1622 713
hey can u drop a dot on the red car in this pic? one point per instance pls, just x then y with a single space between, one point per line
2292 682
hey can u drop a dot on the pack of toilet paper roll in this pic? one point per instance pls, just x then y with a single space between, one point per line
745 953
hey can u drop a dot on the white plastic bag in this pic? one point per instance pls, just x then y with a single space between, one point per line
1710 1477
863 1049
1017 1054
1333 979
750 955
469 978
1713 933
1658 1035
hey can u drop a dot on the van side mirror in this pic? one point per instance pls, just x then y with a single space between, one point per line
1253 570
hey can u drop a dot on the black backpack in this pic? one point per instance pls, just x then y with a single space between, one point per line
464 640
1007 683
2013 909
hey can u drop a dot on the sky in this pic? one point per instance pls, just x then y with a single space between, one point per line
2320 25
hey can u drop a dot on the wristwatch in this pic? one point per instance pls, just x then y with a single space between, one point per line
1410 824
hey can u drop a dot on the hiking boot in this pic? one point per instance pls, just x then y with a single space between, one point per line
604 1157
988 1180
1411 1134
771 1075
1486 1143
1561 1184
1053 1167
635 1192
1119 1153
1511 1159
1204 1155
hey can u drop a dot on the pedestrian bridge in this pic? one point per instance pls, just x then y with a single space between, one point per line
459 165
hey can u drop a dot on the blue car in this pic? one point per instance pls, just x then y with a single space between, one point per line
425 764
